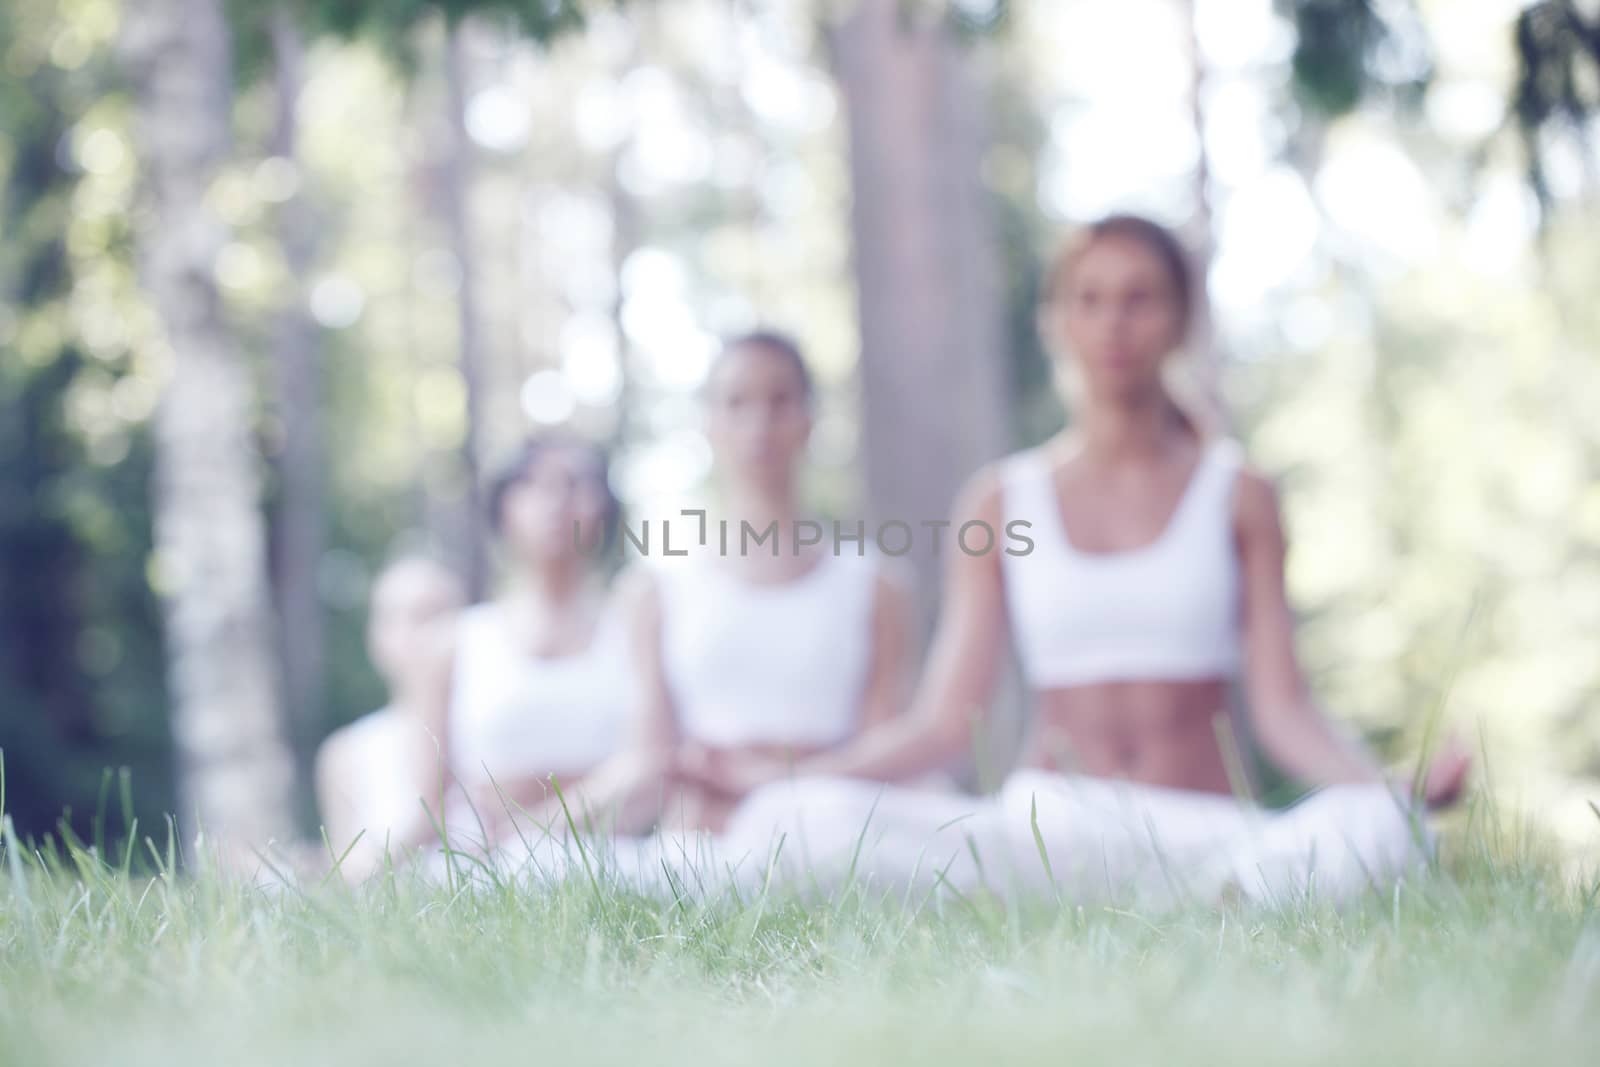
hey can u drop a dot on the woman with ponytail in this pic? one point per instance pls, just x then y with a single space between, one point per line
1154 583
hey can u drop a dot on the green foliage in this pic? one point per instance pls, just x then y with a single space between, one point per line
393 24
1439 482
976 20
1345 49
1413 462
539 20
81 677
1558 80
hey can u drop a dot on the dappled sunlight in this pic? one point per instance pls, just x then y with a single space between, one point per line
1406 334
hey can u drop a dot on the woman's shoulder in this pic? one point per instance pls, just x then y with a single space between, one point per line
1253 493
470 627
869 566
636 591
983 494
1023 462
1003 485
1255 496
343 742
1229 453
483 613
376 721
1227 450
893 582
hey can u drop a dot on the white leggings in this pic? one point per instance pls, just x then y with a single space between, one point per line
1076 838
1042 835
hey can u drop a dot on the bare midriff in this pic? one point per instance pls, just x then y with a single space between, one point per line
1161 733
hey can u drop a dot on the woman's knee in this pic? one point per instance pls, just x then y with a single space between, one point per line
1370 821
1337 843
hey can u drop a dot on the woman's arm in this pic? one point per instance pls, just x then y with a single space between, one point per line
963 662
654 725
889 671
333 772
1295 733
353 847
439 783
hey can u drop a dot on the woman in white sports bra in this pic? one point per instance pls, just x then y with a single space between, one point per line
537 681
761 647
1155 577
367 772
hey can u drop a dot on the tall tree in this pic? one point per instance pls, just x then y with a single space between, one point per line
931 304
235 768
80 677
1557 90
300 520
456 178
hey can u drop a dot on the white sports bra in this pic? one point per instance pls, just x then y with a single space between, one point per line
1168 610
520 716
767 664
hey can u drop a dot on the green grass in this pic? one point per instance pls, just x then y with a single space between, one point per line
1493 960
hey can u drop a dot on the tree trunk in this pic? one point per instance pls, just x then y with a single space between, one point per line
934 392
457 181
625 229
300 511
234 768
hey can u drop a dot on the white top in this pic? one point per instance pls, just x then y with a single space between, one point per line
1168 610
768 664
383 753
519 716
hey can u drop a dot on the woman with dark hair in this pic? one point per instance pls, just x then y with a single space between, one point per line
1155 579
536 682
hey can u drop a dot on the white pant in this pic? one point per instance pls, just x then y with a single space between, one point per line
1075 838
1043 835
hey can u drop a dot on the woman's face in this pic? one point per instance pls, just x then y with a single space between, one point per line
1120 316
758 415
557 509
409 601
